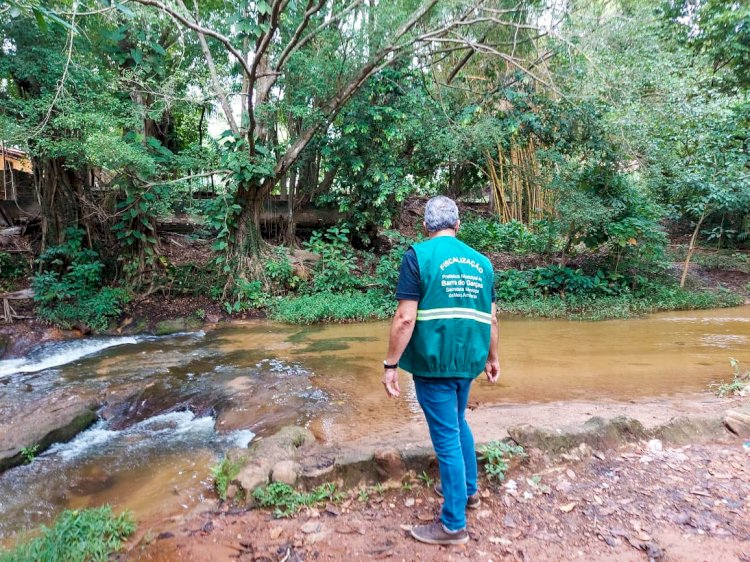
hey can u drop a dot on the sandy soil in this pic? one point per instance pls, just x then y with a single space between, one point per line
691 503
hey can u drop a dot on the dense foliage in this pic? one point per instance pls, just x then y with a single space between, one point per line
580 138
93 534
69 289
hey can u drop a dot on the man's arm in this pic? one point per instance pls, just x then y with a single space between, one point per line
402 328
492 367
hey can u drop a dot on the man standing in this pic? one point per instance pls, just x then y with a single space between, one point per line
445 333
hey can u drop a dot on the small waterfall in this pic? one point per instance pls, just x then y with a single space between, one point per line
173 429
57 354
60 353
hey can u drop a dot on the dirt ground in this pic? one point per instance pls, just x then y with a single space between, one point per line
638 503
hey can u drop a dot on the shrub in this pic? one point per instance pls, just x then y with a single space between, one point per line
88 534
650 299
192 279
12 266
247 295
513 284
739 386
69 289
387 270
280 273
333 307
490 235
335 269
496 455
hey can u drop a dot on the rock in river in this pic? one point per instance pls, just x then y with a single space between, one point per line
738 421
52 418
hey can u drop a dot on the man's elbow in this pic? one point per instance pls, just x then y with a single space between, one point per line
405 319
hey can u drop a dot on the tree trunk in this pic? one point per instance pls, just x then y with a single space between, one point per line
290 234
59 191
248 242
691 249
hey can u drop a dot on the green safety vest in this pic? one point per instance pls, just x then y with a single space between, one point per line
454 317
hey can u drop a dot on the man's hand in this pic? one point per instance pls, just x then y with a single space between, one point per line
492 370
390 381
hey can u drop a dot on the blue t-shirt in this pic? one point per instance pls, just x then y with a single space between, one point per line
409 281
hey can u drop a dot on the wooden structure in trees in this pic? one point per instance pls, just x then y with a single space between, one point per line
18 201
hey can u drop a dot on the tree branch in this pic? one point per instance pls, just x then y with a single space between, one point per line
487 49
289 51
347 91
311 10
464 60
195 27
265 40
214 77
185 178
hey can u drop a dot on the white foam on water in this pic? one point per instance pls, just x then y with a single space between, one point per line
172 425
61 354
240 438
96 435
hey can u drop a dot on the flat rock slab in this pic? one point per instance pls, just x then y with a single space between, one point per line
54 418
738 421
596 432
291 456
355 464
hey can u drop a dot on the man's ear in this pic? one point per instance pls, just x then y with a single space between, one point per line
458 225
424 225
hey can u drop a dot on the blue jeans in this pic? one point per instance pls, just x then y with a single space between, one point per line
443 401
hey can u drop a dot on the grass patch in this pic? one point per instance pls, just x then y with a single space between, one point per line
427 480
223 473
333 307
86 535
287 501
13 268
624 306
738 386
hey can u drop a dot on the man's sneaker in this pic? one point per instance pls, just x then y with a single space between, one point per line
435 533
473 502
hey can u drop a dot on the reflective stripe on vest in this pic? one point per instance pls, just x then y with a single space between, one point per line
450 313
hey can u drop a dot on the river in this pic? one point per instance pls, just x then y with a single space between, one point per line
175 404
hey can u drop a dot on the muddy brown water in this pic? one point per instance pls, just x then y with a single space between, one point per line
175 404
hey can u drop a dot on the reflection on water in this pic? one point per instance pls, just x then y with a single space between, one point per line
541 361
174 405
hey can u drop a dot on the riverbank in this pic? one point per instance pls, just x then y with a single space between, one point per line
683 497
617 509
151 315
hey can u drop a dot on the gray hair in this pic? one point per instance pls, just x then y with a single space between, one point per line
440 213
